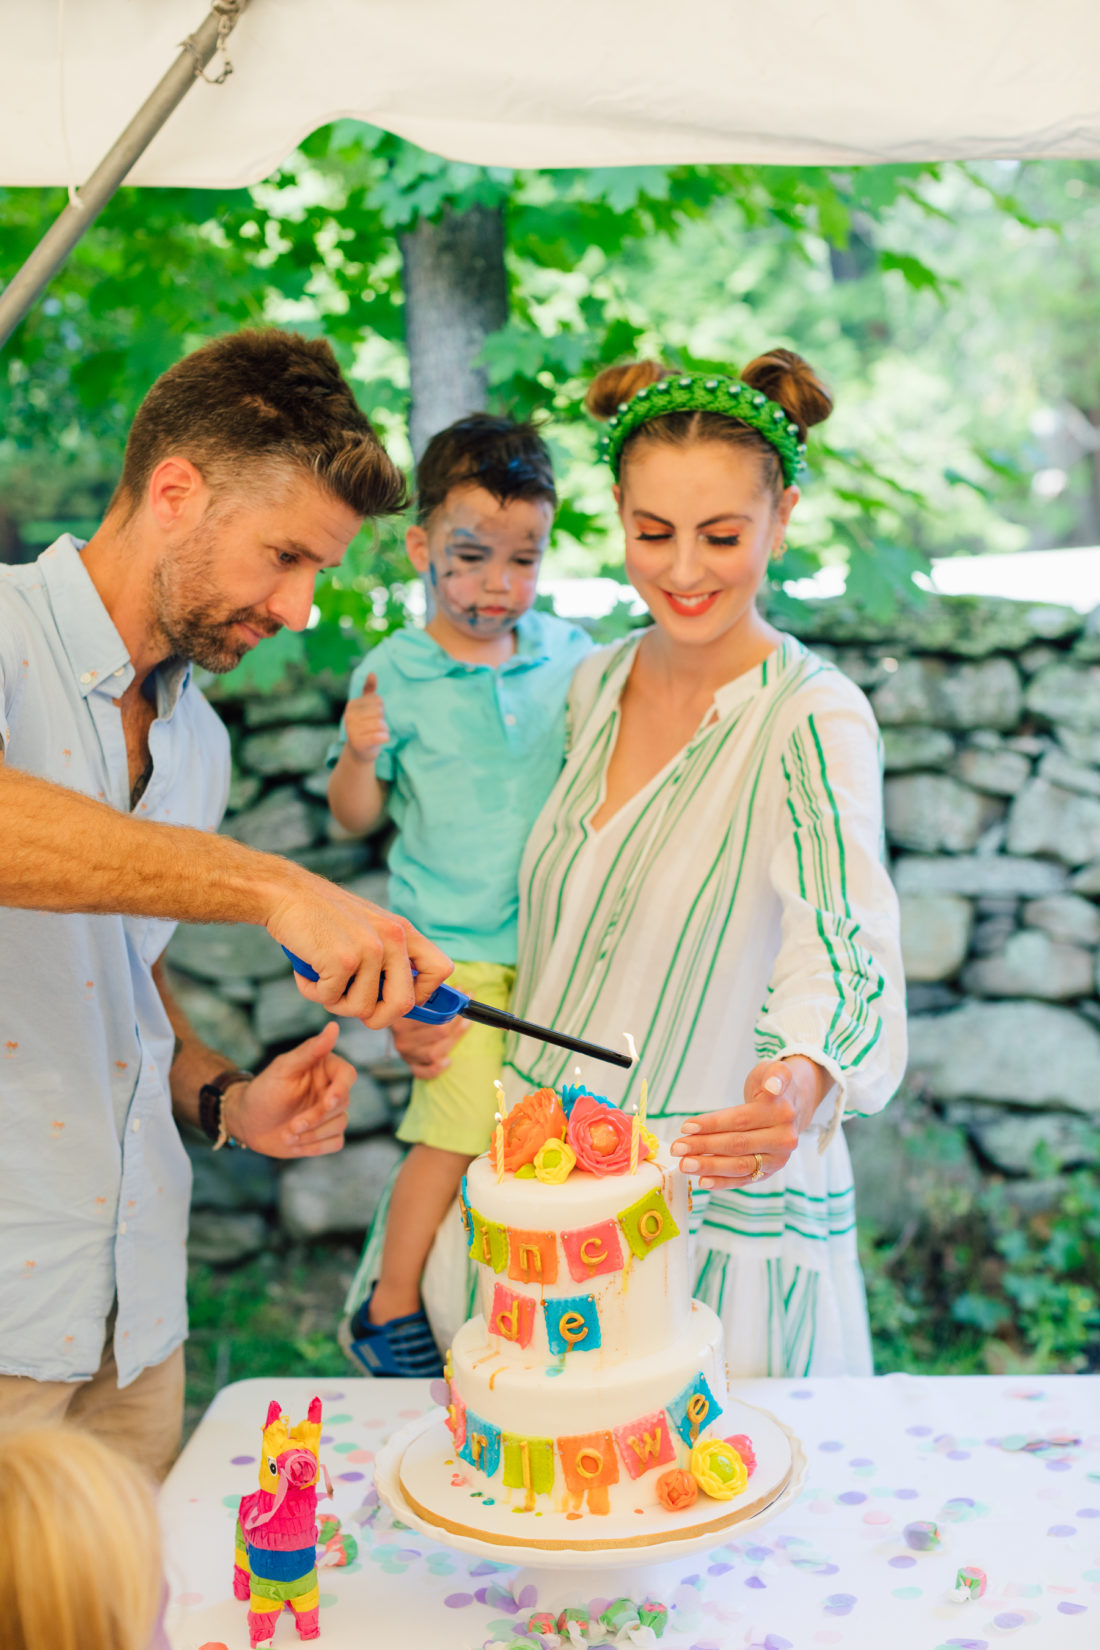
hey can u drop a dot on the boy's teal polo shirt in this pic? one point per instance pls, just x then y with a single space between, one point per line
474 752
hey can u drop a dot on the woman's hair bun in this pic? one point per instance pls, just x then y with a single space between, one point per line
786 378
614 385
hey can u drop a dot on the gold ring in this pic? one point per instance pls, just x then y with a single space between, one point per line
759 1169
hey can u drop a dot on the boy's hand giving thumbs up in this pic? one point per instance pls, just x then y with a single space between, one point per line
365 722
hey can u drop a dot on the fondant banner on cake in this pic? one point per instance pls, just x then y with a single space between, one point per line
532 1256
590 1251
693 1409
481 1445
528 1465
572 1324
512 1316
489 1243
645 1443
589 1464
648 1223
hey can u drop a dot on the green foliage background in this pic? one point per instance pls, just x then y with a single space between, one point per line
953 310
912 288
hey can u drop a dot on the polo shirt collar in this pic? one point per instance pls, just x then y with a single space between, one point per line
419 656
94 647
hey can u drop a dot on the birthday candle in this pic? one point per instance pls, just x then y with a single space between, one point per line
635 1142
642 1103
498 1148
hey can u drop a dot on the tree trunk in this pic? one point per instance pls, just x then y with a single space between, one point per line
456 294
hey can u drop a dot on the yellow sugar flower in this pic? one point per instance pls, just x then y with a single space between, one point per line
650 1142
718 1470
554 1162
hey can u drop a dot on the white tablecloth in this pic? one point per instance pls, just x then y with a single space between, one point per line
835 1570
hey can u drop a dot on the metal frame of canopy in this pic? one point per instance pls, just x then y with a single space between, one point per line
86 203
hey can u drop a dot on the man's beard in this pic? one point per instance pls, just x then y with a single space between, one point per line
198 627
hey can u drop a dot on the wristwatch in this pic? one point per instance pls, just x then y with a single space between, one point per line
212 1106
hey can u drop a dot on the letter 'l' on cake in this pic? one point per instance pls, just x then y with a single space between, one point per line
587 1395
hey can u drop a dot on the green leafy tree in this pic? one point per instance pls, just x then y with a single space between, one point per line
596 263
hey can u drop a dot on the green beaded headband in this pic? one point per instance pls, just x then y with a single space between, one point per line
690 393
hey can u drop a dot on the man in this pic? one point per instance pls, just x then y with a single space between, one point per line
248 470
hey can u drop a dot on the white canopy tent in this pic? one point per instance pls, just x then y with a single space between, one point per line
532 84
567 83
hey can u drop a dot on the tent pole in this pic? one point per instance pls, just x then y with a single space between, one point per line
54 247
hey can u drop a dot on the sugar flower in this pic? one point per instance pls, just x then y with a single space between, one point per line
531 1122
718 1469
554 1161
676 1489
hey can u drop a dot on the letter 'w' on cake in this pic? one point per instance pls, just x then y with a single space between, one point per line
587 1392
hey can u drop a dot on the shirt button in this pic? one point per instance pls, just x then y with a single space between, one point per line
85 676
122 1228
510 720
136 1124
120 671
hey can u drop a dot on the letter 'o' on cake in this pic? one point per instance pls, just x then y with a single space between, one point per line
587 1403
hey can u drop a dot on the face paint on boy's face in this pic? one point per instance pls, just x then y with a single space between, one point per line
484 576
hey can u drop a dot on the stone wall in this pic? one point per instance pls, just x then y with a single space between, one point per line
990 713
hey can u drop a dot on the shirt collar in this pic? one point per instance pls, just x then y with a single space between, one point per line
420 657
94 647
766 674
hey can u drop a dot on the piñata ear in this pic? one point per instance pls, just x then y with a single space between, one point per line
315 1410
274 1410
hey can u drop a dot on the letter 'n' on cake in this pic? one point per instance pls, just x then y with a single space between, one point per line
533 1257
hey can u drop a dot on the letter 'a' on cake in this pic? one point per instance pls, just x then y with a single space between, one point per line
587 1381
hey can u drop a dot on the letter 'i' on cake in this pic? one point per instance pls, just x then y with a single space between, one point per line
587 1396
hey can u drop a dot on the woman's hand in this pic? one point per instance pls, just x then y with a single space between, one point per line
426 1049
727 1148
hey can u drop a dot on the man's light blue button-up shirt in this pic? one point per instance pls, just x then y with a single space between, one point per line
96 1183
474 752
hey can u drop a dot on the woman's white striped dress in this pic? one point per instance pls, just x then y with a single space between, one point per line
735 910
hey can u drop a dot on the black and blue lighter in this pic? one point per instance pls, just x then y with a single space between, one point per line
447 1003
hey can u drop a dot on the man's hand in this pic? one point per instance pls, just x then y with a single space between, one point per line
365 722
350 943
426 1049
298 1105
727 1147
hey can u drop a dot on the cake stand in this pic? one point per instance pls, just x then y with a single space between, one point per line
561 1577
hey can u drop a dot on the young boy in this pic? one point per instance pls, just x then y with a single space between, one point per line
458 730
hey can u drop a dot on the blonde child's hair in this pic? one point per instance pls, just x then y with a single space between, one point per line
80 1557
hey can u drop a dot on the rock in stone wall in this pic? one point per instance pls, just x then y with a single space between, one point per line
237 988
990 713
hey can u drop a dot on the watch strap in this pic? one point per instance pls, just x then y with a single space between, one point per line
212 1105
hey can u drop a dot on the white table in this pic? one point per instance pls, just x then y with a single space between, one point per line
835 1570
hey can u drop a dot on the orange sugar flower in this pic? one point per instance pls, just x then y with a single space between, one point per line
676 1489
533 1121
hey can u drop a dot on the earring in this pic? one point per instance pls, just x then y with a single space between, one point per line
780 552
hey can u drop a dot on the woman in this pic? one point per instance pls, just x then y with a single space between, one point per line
707 872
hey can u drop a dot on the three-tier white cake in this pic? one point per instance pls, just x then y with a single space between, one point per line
588 1400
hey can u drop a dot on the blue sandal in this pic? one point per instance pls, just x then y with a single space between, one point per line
403 1347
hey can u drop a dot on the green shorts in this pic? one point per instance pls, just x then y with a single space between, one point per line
455 1111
